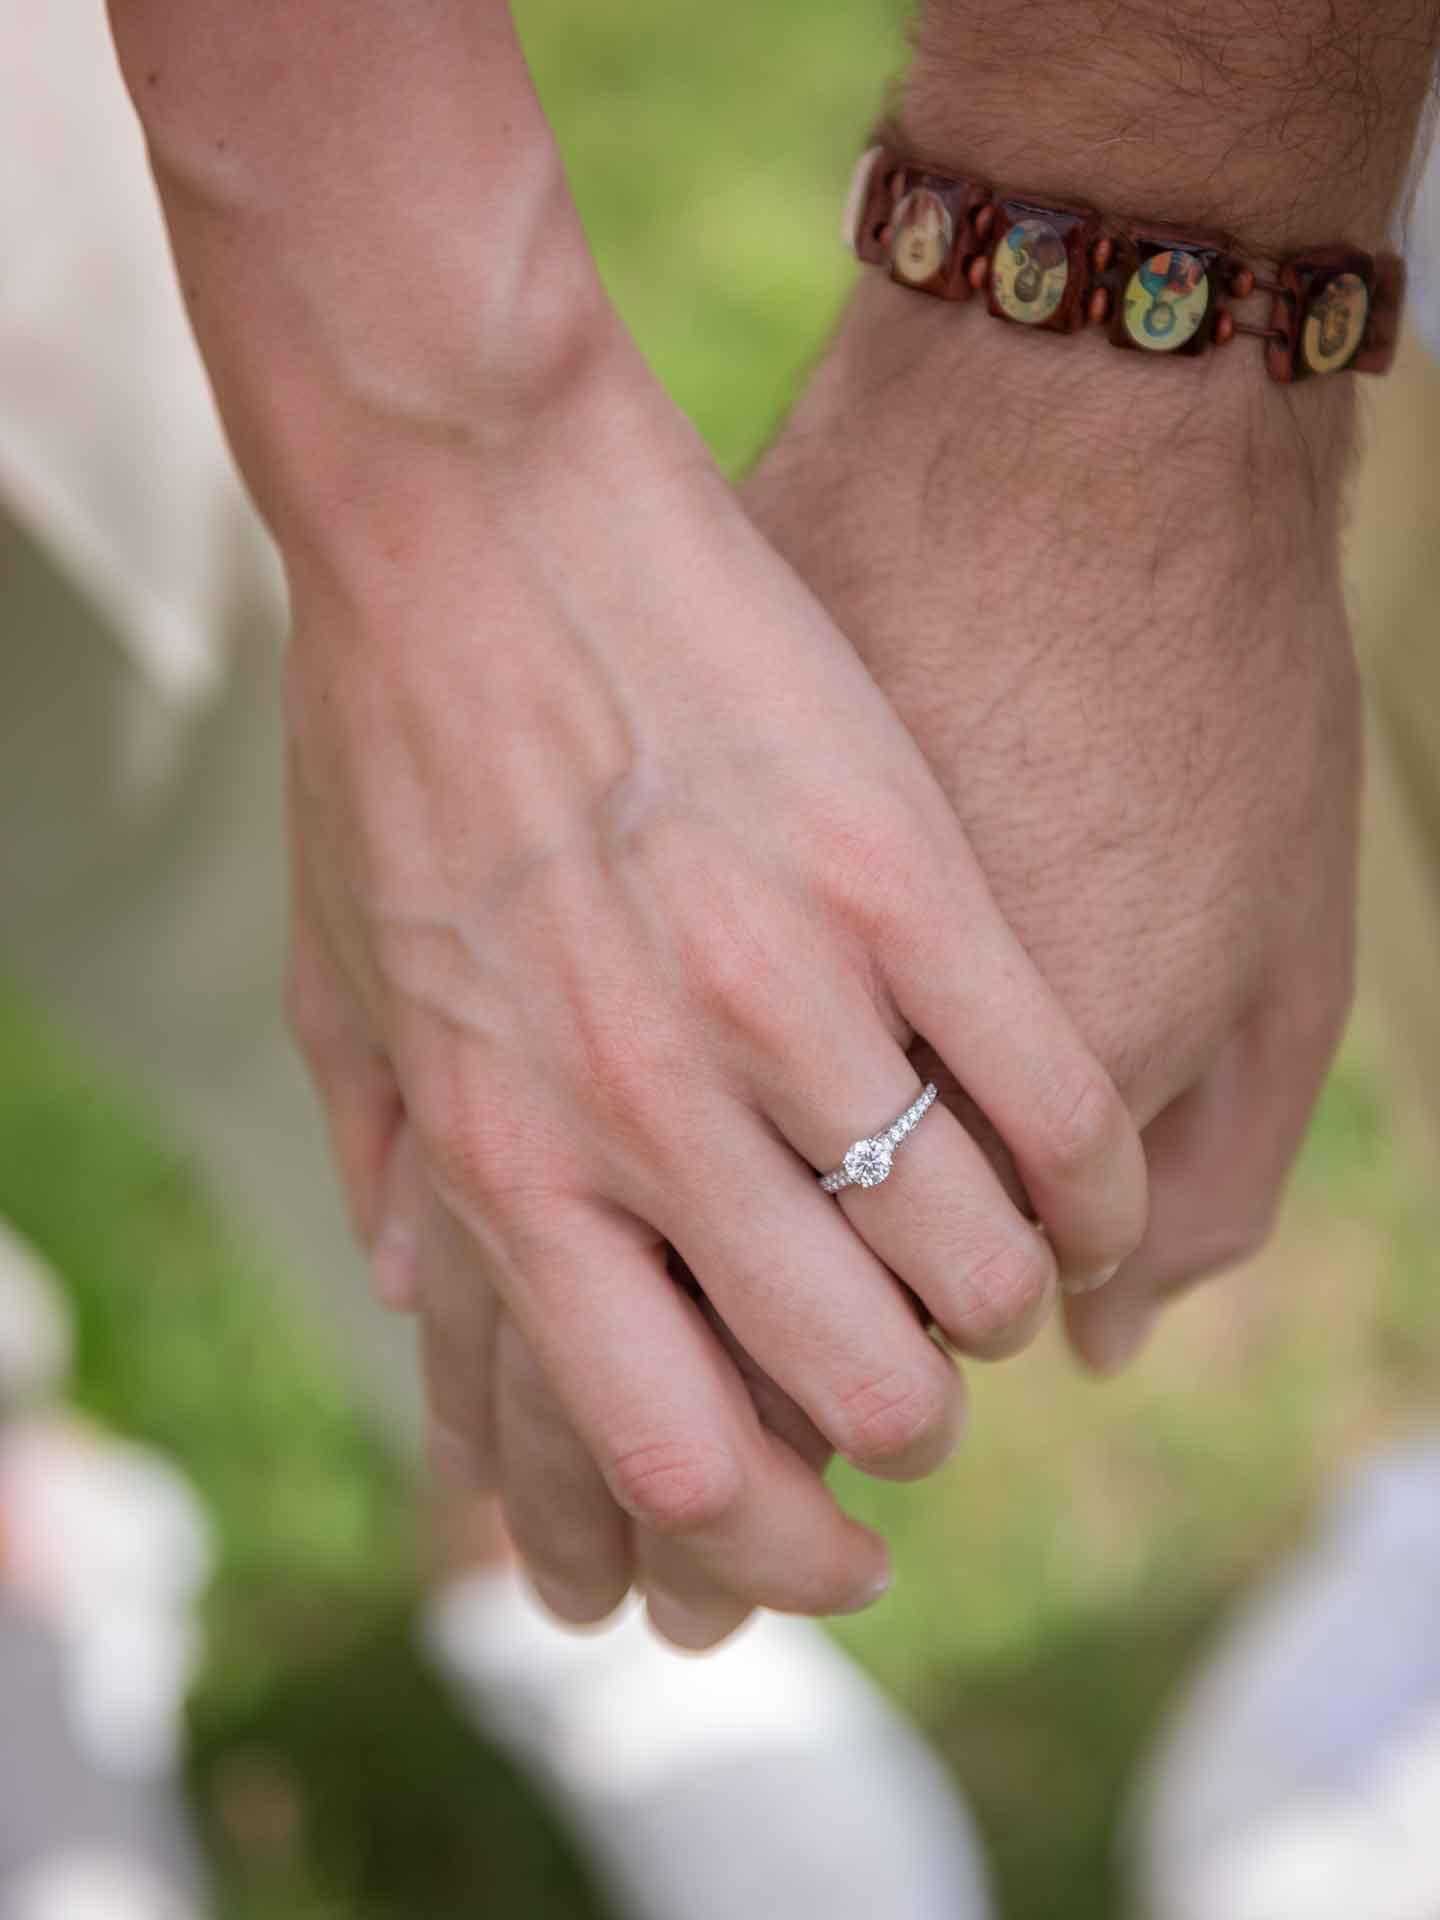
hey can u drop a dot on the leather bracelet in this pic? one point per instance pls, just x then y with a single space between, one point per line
1163 290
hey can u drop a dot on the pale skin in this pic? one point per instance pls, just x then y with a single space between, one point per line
580 903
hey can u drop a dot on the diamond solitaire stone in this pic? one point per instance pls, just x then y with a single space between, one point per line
869 1162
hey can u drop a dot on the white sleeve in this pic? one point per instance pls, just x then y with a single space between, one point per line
111 454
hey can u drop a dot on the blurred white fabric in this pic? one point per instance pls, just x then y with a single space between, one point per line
771 1777
108 1547
1300 1777
103 1552
93 1885
110 449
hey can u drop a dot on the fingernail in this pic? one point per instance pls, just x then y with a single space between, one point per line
1114 1343
1076 1283
395 1266
875 1590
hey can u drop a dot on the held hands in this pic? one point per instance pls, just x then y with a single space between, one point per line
1179 855
1104 598
621 889
619 879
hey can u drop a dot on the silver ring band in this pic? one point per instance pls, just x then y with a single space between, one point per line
869 1162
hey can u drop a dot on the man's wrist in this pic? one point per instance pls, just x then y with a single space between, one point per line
1101 406
1087 457
1285 130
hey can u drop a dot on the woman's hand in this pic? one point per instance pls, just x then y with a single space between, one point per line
626 884
615 871
581 1551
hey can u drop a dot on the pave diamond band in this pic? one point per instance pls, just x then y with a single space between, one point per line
870 1161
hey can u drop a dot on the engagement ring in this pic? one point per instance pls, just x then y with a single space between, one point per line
870 1160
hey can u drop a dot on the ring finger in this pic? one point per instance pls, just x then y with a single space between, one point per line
938 1216
802 1294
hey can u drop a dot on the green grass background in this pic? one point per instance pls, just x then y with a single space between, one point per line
1054 1583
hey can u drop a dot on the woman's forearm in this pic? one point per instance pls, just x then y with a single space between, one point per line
370 222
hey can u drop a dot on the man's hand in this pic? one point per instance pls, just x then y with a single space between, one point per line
1102 594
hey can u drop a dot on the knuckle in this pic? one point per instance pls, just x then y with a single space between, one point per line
893 1416
731 967
458 1146
619 1054
1007 1287
616 1063
1084 1121
875 862
480 1171
885 900
675 1487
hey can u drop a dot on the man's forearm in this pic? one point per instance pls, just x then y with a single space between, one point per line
1289 126
369 218
1287 122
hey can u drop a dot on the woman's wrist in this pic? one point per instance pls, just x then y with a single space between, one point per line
582 456
373 230
338 445
339 376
